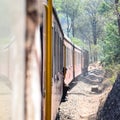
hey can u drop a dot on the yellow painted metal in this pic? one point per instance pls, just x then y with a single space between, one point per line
48 61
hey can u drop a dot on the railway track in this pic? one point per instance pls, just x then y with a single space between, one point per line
83 103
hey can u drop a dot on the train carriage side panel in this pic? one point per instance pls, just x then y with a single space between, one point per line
85 62
68 60
78 65
57 76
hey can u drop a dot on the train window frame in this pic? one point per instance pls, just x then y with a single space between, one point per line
55 51
61 54
53 69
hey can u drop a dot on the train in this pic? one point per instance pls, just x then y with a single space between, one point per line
36 61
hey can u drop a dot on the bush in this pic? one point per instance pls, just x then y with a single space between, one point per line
112 72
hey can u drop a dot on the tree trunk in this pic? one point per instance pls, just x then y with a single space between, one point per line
118 14
90 51
73 25
94 32
67 25
73 29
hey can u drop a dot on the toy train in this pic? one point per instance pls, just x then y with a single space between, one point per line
37 61
68 58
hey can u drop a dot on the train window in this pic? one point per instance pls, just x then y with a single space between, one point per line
55 52
71 57
61 54
53 69
58 53
66 57
78 58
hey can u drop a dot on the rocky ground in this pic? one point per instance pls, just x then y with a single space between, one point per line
85 96
110 110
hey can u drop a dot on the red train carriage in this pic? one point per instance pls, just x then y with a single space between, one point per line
72 60
77 61
57 63
85 62
68 60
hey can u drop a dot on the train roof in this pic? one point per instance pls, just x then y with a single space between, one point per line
65 36
57 18
78 48
70 42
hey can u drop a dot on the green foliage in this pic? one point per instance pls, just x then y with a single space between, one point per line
92 20
57 4
103 8
112 71
95 49
111 46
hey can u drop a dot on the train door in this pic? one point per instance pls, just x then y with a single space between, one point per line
43 62
64 57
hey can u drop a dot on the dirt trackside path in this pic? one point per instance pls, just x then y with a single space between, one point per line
85 96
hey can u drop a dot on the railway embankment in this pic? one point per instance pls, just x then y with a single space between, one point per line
85 96
110 109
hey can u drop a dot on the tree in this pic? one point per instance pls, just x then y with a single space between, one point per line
91 9
93 22
71 9
118 14
111 39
